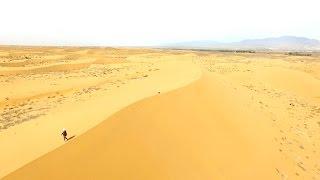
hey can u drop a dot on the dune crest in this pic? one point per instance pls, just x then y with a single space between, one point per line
37 102
249 116
202 131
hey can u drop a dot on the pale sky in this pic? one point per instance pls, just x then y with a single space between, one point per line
153 22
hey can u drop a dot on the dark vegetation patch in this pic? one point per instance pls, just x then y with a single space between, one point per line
298 54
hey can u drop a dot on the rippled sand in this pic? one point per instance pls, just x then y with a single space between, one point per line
158 114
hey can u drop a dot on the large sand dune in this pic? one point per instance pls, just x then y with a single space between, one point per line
249 116
202 131
36 104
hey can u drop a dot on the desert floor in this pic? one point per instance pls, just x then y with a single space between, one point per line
158 114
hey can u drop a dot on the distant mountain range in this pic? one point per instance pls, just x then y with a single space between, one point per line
284 43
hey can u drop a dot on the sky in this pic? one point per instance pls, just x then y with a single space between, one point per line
153 22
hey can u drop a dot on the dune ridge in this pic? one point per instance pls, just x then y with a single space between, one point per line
141 142
249 116
34 107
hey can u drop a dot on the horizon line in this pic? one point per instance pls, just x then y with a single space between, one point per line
139 46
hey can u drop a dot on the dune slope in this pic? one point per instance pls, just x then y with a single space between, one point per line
202 131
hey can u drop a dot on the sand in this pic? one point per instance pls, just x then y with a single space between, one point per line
200 115
35 106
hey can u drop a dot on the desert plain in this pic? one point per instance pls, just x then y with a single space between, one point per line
139 113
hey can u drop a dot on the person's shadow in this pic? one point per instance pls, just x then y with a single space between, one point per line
71 137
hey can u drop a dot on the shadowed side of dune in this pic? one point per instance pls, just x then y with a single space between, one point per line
202 131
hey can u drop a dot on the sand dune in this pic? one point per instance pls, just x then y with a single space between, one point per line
201 131
249 116
46 69
36 106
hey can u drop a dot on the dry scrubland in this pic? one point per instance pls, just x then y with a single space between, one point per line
158 114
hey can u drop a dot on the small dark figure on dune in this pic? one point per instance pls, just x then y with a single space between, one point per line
64 134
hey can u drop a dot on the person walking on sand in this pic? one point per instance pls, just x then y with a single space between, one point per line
64 134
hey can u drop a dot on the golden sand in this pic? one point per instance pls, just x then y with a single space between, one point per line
193 115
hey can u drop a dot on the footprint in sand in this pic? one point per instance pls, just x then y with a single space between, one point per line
300 165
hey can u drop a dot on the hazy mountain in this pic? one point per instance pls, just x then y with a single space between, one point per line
281 43
285 43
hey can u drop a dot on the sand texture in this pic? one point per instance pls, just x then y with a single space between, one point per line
158 114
